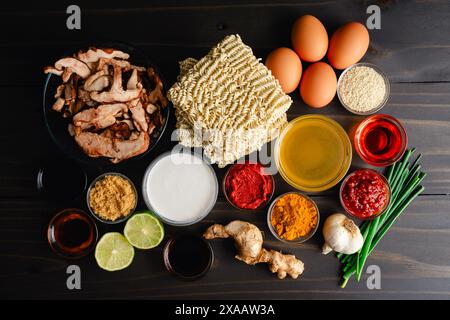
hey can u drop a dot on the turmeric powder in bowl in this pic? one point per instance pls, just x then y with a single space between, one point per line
293 217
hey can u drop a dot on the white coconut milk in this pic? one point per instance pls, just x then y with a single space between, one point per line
180 188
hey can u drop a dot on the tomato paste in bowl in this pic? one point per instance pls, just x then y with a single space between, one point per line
365 194
246 186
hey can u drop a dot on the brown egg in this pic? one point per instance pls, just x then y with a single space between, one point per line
318 86
348 45
286 67
309 38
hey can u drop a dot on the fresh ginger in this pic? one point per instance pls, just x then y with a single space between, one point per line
249 242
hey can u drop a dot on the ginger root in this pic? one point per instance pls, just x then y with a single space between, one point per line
249 241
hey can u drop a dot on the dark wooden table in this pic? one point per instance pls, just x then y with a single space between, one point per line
412 47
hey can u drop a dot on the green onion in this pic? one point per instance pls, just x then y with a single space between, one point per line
404 180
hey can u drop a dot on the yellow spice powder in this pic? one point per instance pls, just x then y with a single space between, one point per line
112 198
294 216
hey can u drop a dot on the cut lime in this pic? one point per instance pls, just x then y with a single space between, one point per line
144 230
114 252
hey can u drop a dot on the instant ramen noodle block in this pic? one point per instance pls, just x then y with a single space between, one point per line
228 102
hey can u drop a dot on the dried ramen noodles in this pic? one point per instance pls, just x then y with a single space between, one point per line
228 102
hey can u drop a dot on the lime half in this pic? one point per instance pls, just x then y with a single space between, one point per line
114 252
144 230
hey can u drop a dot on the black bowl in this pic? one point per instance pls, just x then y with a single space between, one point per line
61 180
57 125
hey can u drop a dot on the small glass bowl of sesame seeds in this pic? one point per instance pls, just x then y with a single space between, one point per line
363 89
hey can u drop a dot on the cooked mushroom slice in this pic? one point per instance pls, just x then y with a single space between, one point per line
94 54
129 123
76 106
98 81
100 117
103 62
156 95
158 119
121 130
75 65
95 145
107 133
133 81
67 73
138 68
151 128
53 70
99 84
138 116
86 97
133 102
134 135
151 108
59 90
130 148
69 93
71 130
59 104
116 93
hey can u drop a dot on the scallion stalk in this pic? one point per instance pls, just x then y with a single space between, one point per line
404 180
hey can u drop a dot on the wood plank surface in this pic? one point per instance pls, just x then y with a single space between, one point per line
413 259
412 48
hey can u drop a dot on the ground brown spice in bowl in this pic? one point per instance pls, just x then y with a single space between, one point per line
112 197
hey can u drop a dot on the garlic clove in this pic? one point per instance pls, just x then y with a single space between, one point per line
326 249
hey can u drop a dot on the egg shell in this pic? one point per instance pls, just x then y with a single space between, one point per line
309 38
286 67
348 45
318 85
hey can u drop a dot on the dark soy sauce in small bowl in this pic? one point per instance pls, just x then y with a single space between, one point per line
188 256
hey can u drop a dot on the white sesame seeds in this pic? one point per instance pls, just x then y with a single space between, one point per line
362 89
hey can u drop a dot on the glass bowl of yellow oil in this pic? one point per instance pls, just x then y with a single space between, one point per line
313 153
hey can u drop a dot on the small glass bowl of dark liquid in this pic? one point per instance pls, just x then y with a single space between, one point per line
61 180
72 233
188 256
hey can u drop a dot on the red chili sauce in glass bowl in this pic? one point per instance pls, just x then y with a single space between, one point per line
365 194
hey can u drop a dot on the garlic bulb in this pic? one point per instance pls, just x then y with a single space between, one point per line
341 235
